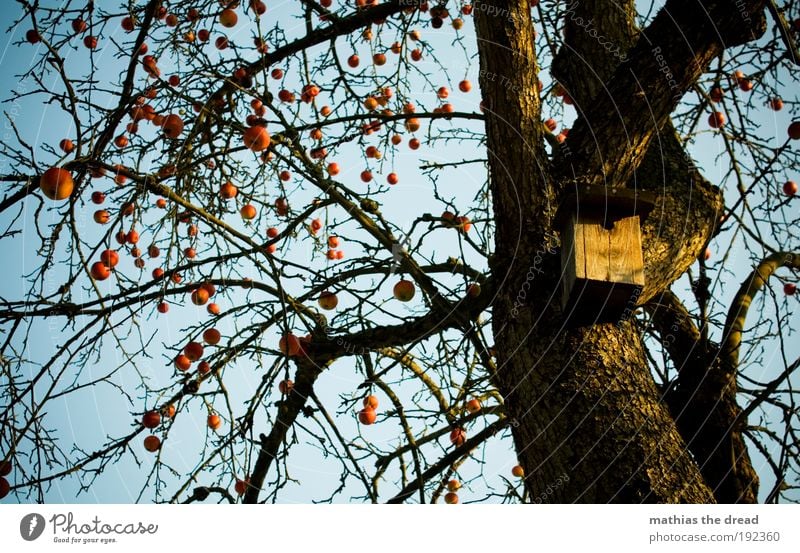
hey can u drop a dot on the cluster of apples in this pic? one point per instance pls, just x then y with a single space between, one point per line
151 420
459 222
293 346
717 119
79 26
368 415
193 351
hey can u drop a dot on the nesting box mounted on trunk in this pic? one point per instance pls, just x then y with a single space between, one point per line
602 268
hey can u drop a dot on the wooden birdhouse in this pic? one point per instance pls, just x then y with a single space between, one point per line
602 268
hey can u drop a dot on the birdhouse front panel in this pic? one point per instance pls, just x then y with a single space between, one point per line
602 263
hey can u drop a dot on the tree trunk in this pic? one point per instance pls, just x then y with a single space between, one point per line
583 401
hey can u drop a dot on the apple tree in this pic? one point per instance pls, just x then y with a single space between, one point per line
254 249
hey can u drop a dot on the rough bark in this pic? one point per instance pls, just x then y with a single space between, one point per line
687 211
702 401
583 400
688 206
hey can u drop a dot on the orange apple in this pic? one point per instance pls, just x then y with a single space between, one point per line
473 405
716 120
328 300
370 402
183 363
214 421
257 138
100 271
367 416
404 290
248 212
56 183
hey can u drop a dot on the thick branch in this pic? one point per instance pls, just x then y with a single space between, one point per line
683 38
734 324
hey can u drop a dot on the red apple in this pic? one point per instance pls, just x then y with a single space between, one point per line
110 258
789 289
285 387
458 436
212 336
790 188
228 18
241 486
152 443
173 125
193 350
203 368
716 120
776 104
289 345
151 419
451 498
794 130
518 471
